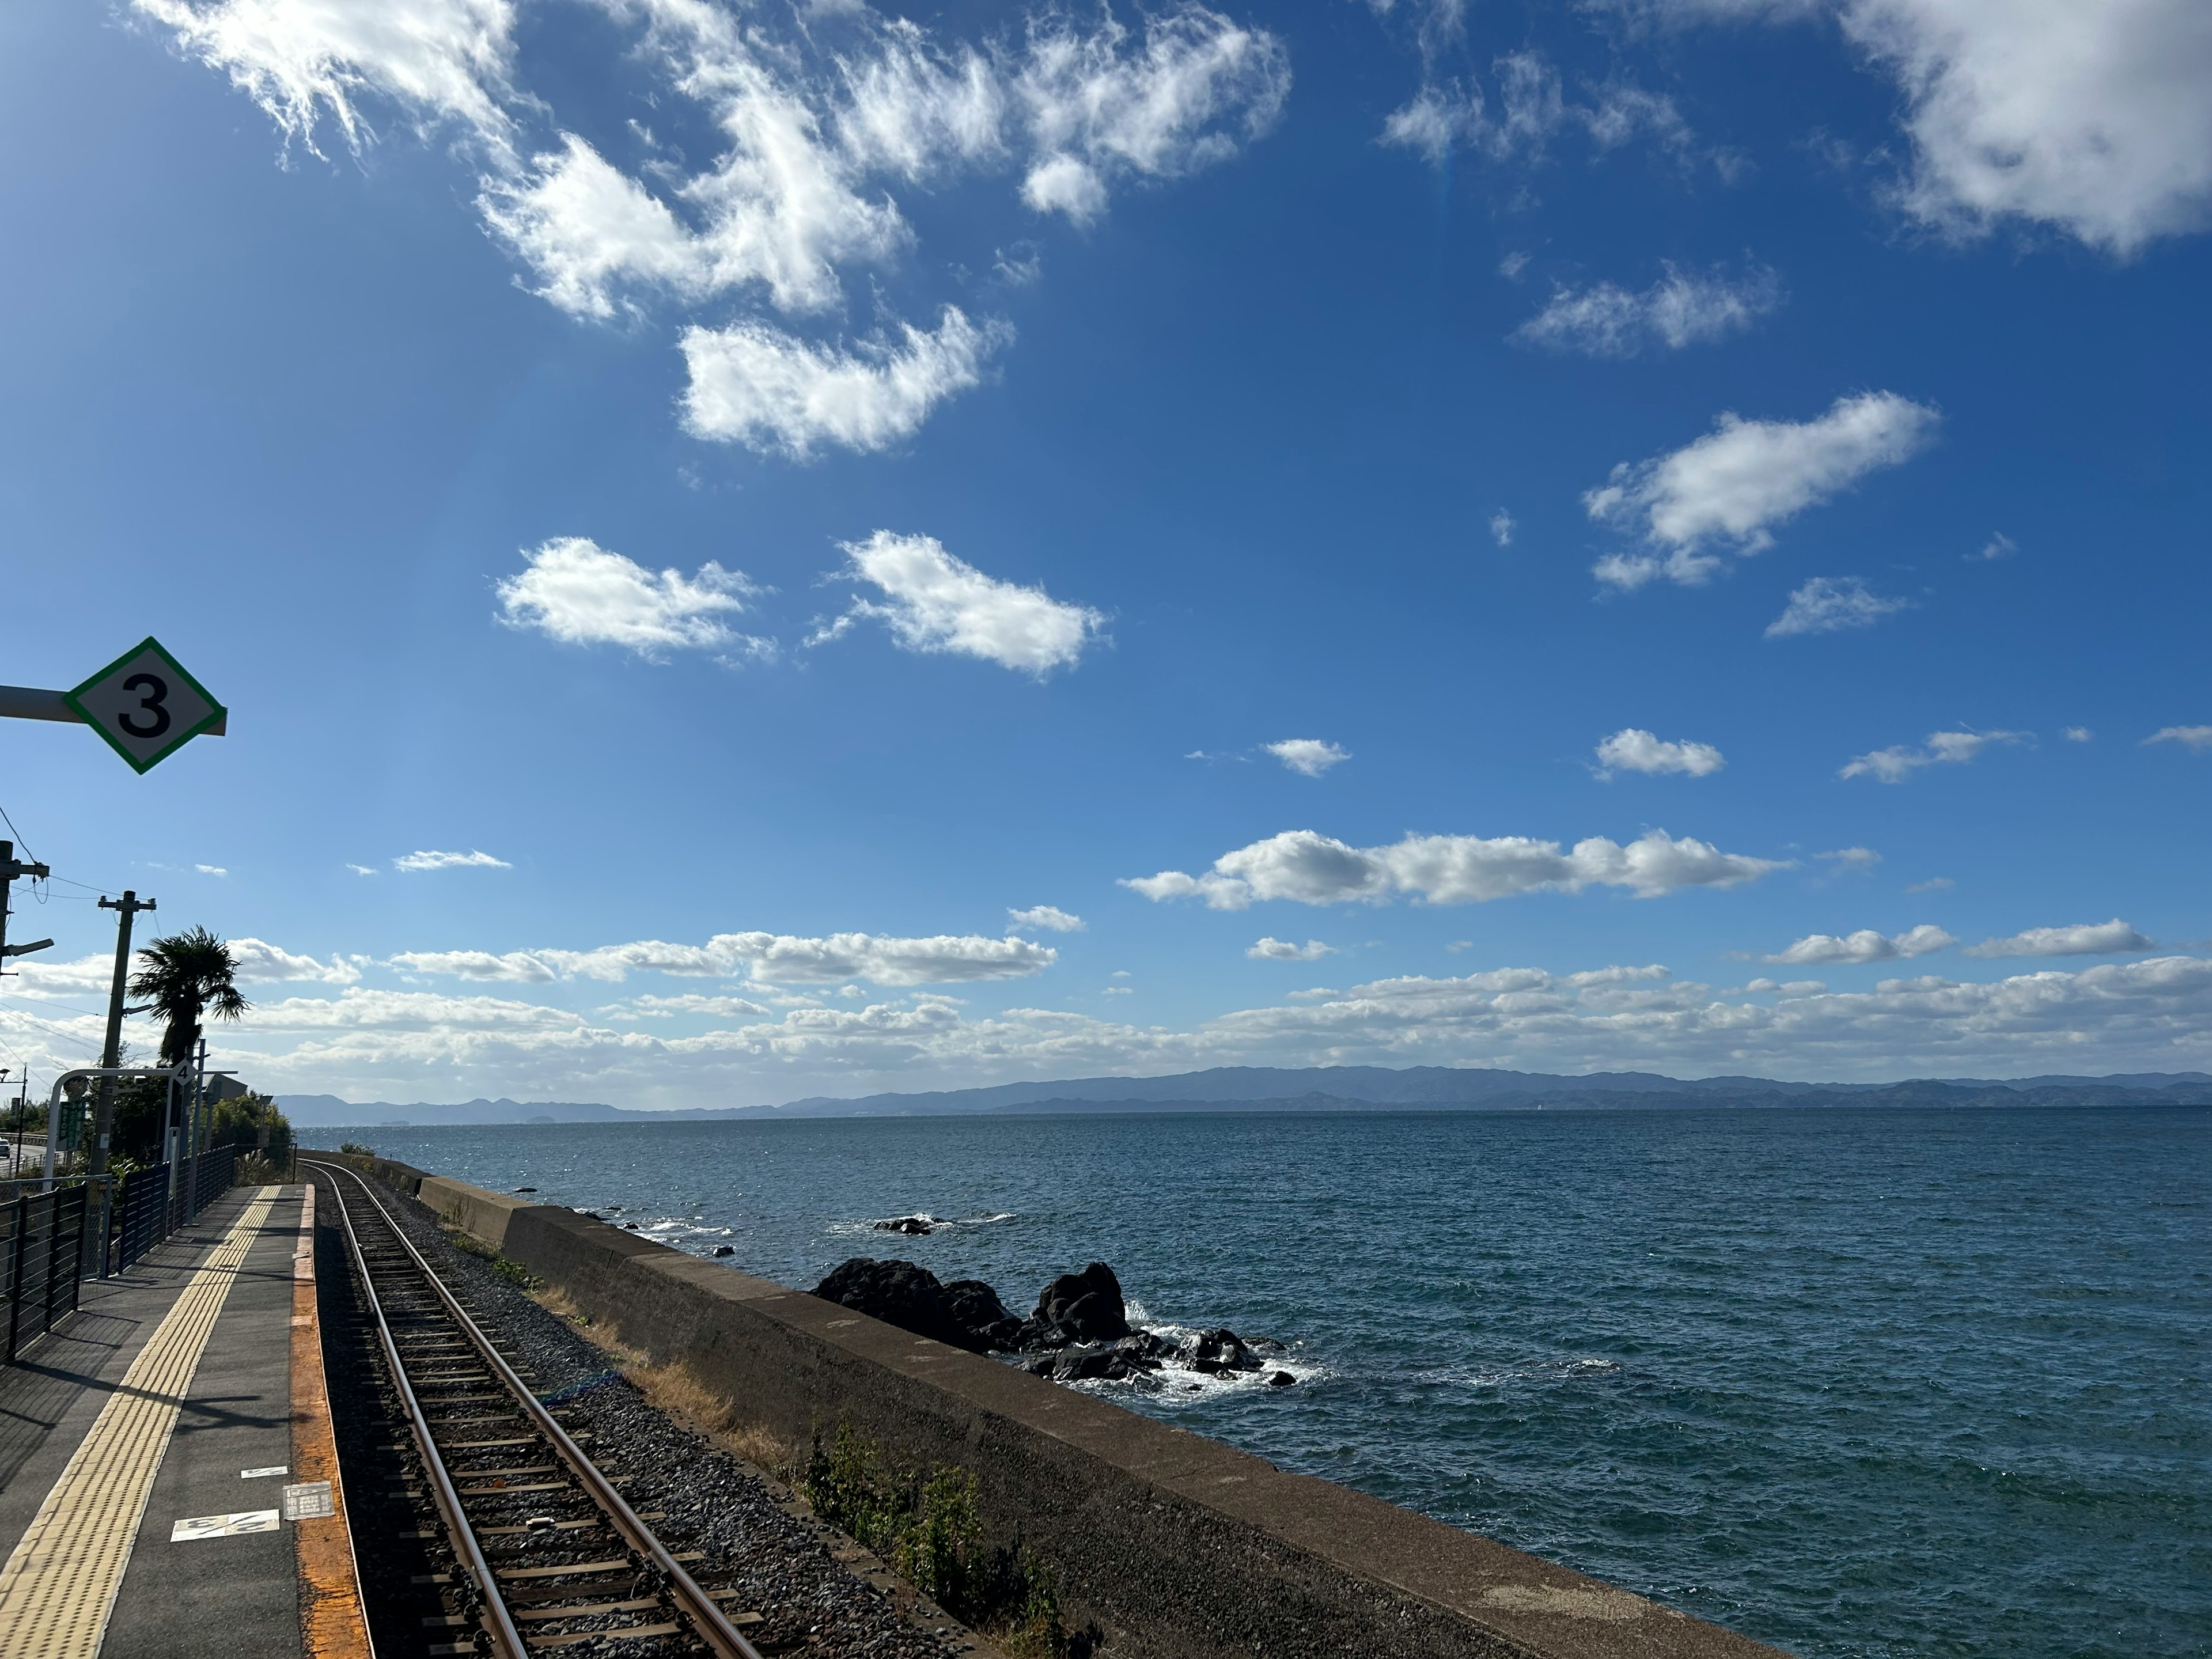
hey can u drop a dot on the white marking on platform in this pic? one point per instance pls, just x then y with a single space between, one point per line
223 1525
256 1474
308 1501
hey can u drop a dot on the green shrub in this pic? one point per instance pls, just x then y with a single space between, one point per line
928 1528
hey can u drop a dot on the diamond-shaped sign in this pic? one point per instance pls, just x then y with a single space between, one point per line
145 705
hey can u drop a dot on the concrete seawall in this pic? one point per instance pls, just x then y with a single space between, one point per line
1173 1545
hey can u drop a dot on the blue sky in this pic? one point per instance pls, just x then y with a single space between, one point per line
1014 543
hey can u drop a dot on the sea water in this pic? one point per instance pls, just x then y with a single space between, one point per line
1855 1383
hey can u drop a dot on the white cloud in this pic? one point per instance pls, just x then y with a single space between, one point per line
260 961
1631 749
1850 859
1502 527
1829 604
1732 485
2101 939
1532 110
361 869
2096 119
449 862
211 869
1311 757
1047 916
1901 761
693 1003
512 967
2196 738
767 958
780 215
577 592
937 602
2093 119
1865 945
1680 309
2078 734
813 117
1316 869
301 60
1094 107
1999 546
770 391
1271 949
1933 884
2148 1014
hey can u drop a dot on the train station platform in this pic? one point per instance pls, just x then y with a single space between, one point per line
168 1481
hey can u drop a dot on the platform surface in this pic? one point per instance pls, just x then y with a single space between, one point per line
146 1410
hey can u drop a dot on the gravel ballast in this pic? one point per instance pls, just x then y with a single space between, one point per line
817 1593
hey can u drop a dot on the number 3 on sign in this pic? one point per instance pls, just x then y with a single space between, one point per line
146 705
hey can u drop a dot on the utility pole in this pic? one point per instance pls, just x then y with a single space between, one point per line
103 1119
11 868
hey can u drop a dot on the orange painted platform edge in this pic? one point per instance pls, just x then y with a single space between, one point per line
331 1623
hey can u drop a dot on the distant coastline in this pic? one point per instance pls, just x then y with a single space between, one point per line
1312 1090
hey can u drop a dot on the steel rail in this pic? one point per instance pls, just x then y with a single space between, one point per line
499 1622
713 1624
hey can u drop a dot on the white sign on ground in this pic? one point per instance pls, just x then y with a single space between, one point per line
145 705
223 1525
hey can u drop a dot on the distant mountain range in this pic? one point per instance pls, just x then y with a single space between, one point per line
1320 1089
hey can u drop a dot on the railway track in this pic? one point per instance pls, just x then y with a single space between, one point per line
544 1553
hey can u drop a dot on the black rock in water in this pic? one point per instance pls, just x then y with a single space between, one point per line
726 1249
912 1226
1281 1379
1076 1308
975 1307
1221 1351
900 1293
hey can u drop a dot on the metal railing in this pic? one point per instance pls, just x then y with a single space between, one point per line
44 1242
51 1238
141 1215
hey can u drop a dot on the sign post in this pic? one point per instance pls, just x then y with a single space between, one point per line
144 705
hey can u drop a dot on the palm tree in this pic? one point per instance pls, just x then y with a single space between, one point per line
187 976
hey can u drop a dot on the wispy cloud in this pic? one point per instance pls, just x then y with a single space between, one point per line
1734 486
2196 738
1999 546
2099 939
1828 605
1502 527
765 958
1849 859
1680 309
474 860
1049 916
1900 761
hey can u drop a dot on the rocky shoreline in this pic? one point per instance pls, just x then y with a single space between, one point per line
1079 1331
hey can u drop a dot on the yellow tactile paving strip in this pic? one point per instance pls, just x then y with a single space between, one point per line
58 1587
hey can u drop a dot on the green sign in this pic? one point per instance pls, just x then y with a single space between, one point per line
145 705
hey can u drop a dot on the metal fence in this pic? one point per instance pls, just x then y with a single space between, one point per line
44 1242
50 1239
141 1215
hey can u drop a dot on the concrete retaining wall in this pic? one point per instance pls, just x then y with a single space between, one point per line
1172 1546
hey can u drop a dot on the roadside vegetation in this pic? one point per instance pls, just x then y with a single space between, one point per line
925 1524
